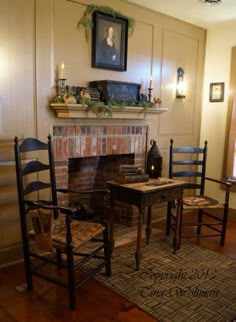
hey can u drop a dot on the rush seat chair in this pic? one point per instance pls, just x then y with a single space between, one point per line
54 235
189 164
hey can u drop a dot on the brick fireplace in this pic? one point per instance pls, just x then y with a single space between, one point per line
128 143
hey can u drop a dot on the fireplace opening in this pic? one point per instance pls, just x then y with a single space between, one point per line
91 173
77 144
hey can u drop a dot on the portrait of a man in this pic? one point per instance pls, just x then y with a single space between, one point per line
109 46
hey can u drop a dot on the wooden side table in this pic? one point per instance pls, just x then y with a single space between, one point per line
143 195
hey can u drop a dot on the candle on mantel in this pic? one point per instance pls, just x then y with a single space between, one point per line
62 74
141 87
150 82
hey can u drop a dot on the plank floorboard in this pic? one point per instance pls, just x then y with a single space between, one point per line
95 303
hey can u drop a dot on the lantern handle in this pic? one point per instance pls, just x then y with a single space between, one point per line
152 142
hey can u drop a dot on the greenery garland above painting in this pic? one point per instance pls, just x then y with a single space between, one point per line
87 23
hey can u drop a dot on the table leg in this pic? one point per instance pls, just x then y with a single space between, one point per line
111 221
138 254
149 227
177 235
180 223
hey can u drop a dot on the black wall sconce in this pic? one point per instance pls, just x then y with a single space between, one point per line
154 161
180 83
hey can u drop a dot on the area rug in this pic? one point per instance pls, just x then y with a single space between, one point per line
193 285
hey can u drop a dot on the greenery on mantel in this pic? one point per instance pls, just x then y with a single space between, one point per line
100 108
87 23
97 108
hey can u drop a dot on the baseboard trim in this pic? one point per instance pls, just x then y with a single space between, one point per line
11 255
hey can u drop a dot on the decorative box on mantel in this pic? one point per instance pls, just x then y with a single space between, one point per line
111 90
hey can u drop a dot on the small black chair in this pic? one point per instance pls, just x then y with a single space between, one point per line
53 235
189 164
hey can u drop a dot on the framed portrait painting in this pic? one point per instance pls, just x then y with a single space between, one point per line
216 92
109 42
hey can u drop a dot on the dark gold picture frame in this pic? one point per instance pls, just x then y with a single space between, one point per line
104 56
217 92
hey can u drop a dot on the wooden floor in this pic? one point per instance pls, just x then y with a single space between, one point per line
94 302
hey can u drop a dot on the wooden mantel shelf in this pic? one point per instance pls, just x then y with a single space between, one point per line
82 111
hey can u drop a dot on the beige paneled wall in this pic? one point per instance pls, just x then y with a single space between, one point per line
9 220
45 67
158 46
173 57
220 40
17 66
45 32
17 110
72 48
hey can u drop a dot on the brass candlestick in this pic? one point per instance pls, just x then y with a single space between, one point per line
61 86
149 94
61 90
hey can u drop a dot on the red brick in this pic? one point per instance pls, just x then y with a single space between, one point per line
88 147
77 130
71 131
109 130
58 148
109 145
99 146
65 147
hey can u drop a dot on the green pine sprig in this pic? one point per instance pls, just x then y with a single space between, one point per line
87 23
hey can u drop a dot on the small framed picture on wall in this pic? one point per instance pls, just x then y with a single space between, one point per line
216 92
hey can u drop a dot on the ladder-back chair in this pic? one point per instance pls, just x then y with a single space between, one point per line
54 235
189 164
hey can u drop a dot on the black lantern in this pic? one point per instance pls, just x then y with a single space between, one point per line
154 161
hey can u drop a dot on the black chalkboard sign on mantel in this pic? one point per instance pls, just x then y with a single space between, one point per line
118 91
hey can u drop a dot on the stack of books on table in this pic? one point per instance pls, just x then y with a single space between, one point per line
130 173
